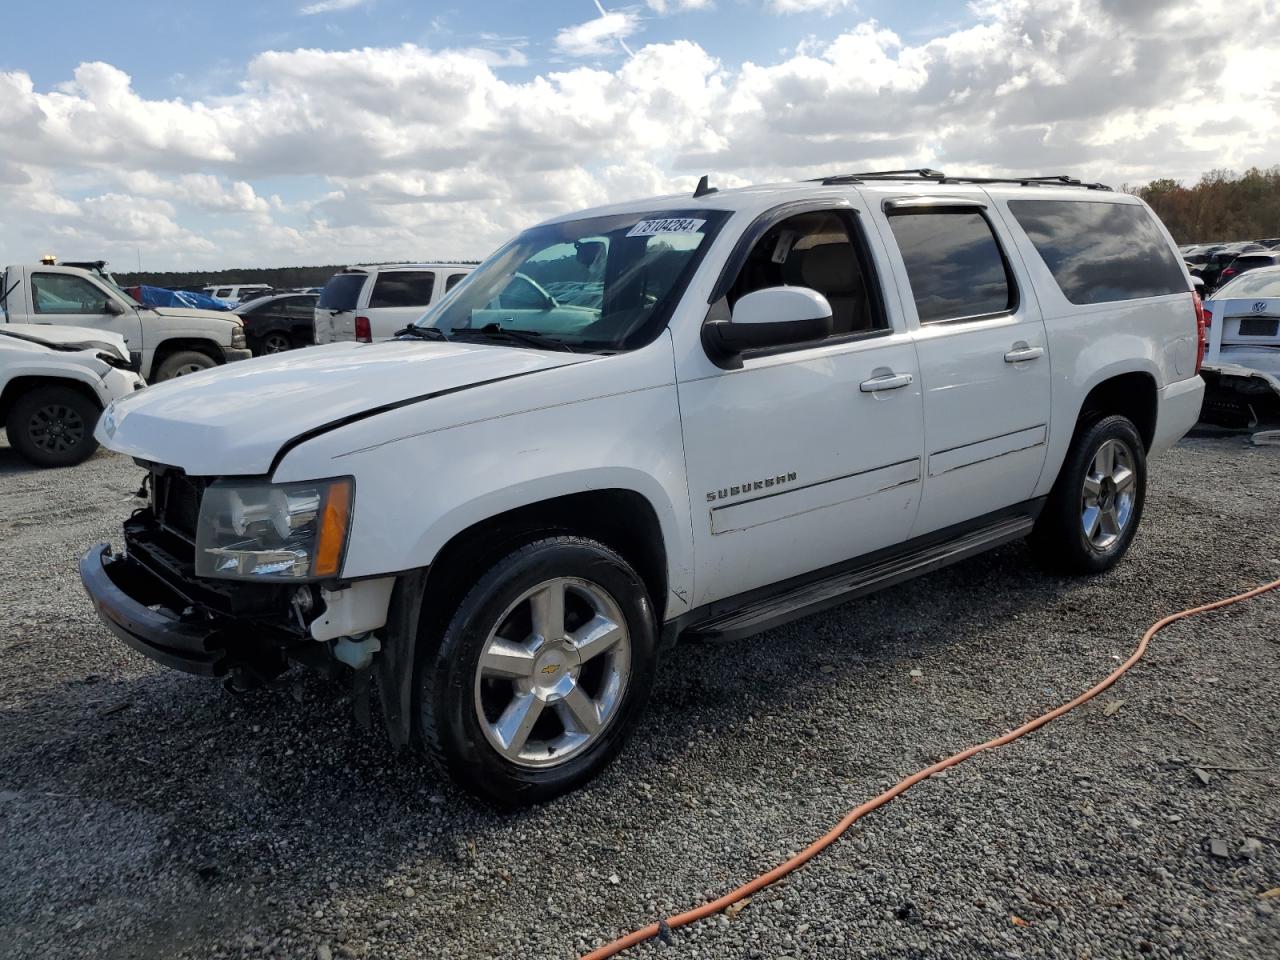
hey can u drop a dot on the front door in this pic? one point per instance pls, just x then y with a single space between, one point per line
808 456
73 300
984 362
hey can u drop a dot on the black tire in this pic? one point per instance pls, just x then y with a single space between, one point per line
276 341
448 689
1060 540
53 426
183 362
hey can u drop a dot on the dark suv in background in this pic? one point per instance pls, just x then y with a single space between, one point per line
280 322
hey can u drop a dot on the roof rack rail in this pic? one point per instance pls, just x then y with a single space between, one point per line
937 176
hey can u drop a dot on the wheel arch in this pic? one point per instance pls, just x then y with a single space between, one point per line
423 599
172 345
1133 394
24 383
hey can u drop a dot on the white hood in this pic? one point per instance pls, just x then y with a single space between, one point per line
232 420
82 337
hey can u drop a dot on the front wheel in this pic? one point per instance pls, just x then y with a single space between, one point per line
53 426
184 362
537 680
1093 511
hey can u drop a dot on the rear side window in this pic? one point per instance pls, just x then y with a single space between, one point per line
342 292
956 268
452 281
402 288
1249 263
1101 252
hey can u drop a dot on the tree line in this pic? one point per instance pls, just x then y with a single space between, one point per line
1222 206
278 278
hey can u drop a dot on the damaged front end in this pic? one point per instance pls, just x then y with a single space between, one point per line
247 624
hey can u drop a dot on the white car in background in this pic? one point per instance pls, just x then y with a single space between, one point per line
367 303
238 293
1242 359
54 383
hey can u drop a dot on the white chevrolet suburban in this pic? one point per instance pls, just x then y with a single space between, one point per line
744 406
163 342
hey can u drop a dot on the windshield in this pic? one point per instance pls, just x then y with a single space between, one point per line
604 283
1263 282
119 292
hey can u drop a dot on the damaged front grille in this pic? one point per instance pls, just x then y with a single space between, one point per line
175 501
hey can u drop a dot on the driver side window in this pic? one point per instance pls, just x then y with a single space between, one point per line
817 250
63 293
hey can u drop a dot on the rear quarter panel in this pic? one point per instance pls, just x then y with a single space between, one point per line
1091 343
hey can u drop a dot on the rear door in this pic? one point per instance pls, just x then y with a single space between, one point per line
335 312
983 354
396 299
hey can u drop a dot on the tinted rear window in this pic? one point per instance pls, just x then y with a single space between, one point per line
402 288
342 291
1101 252
453 281
1249 263
954 264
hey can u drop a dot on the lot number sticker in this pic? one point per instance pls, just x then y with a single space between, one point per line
651 228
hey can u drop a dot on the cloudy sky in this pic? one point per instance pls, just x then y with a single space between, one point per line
278 132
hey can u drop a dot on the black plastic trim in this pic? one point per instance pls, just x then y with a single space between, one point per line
754 611
112 581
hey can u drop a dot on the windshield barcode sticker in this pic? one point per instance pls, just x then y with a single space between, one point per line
651 228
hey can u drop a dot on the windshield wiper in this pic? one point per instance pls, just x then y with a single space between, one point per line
421 333
530 338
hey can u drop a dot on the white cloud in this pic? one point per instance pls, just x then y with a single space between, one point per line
331 6
597 37
826 7
404 152
672 6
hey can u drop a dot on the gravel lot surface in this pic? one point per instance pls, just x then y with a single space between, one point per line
147 814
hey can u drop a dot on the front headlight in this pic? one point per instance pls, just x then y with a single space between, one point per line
237 336
265 531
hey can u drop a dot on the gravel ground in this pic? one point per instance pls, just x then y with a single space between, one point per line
146 814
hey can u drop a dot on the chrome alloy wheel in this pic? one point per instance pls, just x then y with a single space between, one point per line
1109 493
553 672
56 428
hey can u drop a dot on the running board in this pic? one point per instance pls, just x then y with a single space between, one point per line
817 595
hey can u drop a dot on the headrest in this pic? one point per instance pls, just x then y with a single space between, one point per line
832 267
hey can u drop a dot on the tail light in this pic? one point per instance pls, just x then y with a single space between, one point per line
364 333
1202 325
1227 273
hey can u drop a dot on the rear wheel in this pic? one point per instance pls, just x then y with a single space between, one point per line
275 342
537 680
53 426
1093 512
184 362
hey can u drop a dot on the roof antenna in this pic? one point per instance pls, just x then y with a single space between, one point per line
704 187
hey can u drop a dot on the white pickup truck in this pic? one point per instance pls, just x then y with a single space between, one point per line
767 401
163 342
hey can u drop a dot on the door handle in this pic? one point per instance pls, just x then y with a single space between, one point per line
889 381
1021 353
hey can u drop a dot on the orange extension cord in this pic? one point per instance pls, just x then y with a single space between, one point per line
831 836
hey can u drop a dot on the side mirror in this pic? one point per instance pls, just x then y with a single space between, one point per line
112 307
773 317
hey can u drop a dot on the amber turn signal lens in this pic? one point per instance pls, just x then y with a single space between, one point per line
334 520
